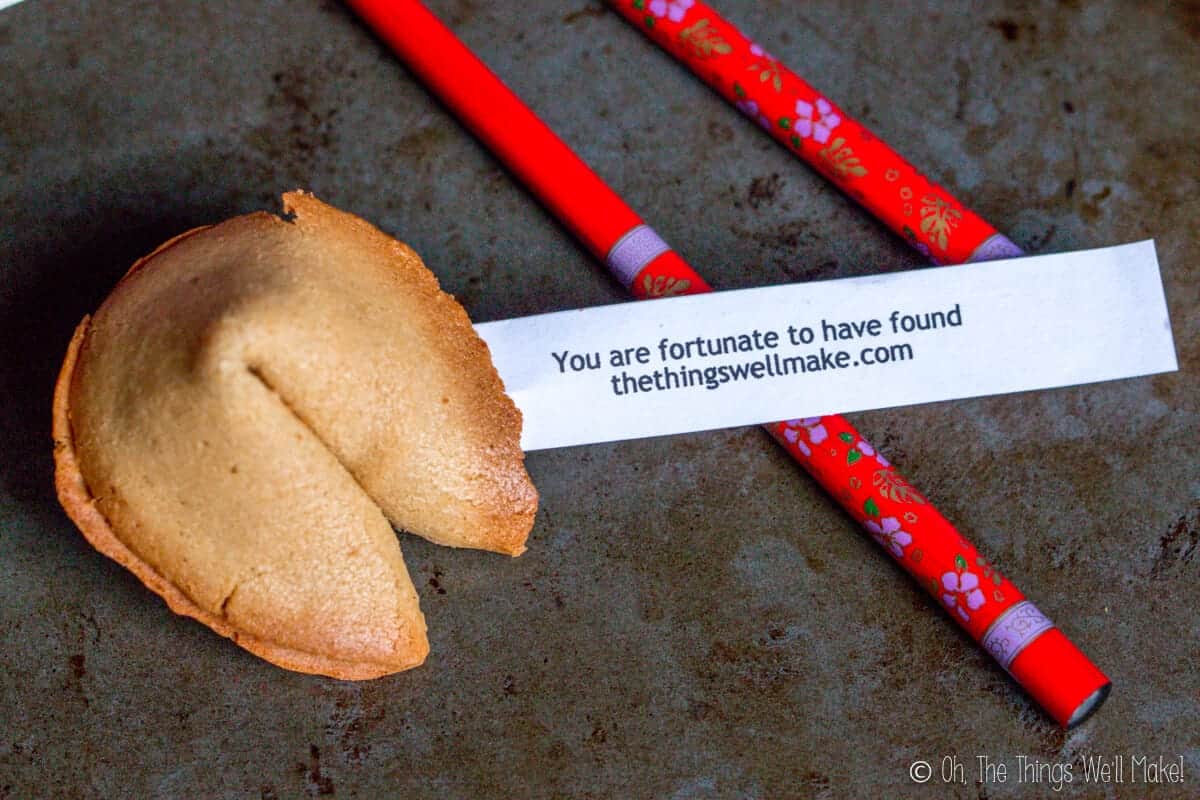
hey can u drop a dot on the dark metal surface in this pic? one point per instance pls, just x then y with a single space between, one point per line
694 618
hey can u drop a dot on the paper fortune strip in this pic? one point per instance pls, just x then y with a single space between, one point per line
735 358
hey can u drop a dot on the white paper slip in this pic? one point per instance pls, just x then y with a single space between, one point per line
801 350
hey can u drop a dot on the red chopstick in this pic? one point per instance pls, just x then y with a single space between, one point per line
986 604
945 231
812 127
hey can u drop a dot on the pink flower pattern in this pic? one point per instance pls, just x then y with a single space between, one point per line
757 50
865 448
817 122
962 593
751 110
816 432
673 10
889 534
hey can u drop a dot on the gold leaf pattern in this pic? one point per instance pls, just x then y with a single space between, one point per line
840 157
938 219
664 285
768 72
704 41
894 487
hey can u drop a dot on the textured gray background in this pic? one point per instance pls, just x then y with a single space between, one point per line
694 618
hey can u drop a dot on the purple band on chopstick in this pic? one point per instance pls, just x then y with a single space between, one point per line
994 248
633 252
1014 630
